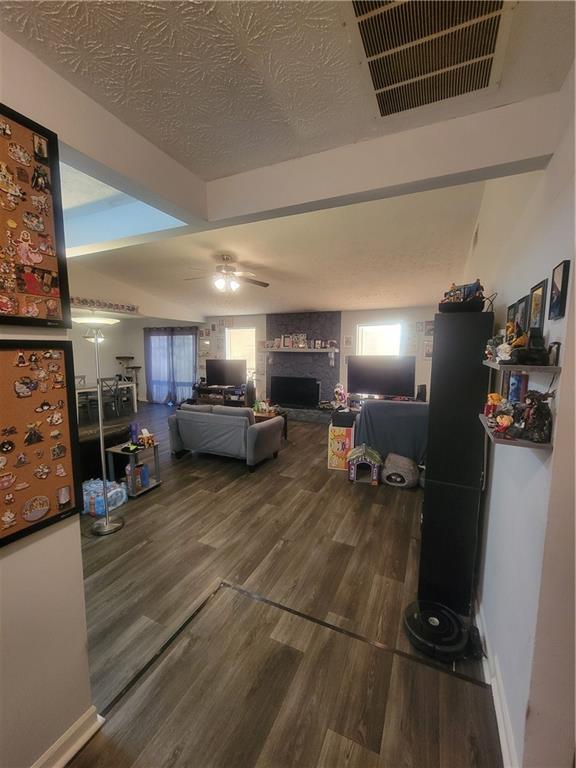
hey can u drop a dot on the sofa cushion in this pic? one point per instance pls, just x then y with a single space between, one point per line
230 410
211 433
197 408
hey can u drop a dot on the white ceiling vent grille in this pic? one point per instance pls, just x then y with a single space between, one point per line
423 51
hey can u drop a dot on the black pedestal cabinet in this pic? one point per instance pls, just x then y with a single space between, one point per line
455 461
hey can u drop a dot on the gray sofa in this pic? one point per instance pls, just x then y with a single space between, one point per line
225 431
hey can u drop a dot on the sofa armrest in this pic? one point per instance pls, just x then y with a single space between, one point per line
176 445
263 440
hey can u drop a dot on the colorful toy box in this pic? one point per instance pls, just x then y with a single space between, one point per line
340 439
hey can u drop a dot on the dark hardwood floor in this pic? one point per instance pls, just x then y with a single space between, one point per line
295 655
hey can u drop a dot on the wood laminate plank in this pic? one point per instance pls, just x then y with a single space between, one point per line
361 704
468 733
291 630
411 727
340 752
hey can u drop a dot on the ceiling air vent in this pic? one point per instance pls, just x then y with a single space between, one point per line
423 51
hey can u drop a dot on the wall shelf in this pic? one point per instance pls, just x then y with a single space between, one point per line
517 443
303 351
331 352
523 368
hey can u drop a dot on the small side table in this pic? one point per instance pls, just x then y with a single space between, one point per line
134 459
260 416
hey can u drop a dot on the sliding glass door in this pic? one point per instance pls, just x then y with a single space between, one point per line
170 363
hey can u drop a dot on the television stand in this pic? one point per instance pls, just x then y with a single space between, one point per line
221 395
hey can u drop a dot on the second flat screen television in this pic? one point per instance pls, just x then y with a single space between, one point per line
389 375
223 373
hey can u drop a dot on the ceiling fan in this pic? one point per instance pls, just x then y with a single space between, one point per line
227 278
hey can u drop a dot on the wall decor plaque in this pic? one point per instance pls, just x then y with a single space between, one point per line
39 480
33 272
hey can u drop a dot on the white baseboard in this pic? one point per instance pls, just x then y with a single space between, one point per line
493 675
72 741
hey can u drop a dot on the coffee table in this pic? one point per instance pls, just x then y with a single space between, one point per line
264 416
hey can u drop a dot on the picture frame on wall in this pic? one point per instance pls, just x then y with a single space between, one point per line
522 310
511 313
39 469
538 305
559 290
34 280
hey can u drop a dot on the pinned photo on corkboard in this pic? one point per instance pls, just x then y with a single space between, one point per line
33 273
39 481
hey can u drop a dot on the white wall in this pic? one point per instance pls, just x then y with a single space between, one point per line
214 346
44 678
412 339
549 738
511 256
89 284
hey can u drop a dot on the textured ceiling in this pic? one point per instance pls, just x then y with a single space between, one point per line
396 252
229 86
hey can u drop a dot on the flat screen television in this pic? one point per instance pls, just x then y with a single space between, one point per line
385 375
294 391
225 373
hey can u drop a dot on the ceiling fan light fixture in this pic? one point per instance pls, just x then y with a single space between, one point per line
234 284
219 283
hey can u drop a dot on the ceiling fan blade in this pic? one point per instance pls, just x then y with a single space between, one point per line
252 281
241 273
186 279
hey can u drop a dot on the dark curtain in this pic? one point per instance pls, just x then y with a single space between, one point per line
170 355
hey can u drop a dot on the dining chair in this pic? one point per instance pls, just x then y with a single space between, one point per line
109 396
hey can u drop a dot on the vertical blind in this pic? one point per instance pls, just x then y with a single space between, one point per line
170 363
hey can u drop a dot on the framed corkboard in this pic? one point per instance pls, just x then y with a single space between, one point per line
33 273
39 480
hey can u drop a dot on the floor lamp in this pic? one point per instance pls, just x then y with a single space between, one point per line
106 524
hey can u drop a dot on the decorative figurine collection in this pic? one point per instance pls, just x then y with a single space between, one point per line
528 420
466 292
33 278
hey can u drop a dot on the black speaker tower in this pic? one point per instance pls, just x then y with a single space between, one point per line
437 623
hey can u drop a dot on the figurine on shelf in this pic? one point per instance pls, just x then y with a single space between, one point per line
520 337
510 327
494 400
538 417
533 352
517 429
503 352
503 408
339 396
492 345
462 293
503 422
